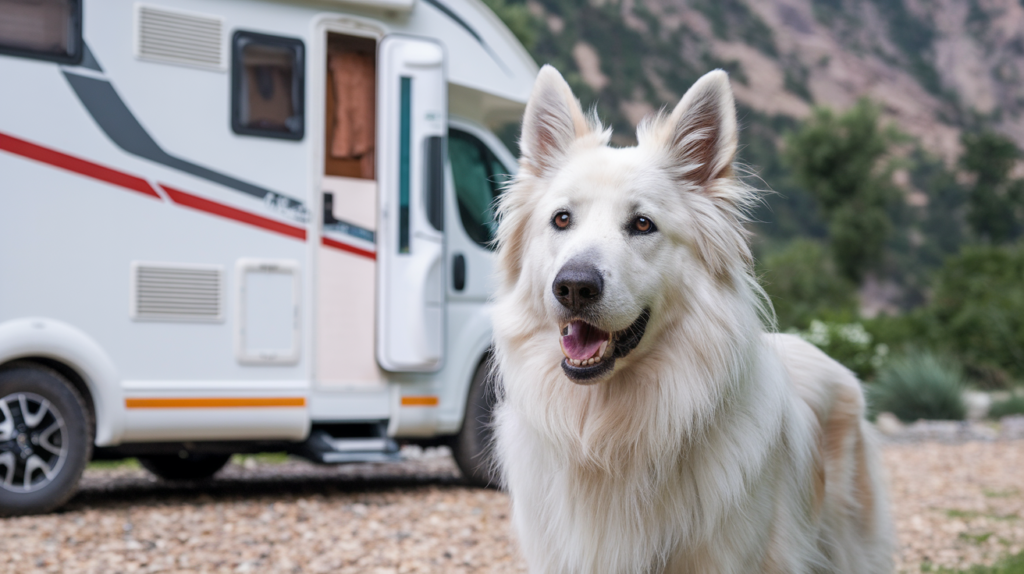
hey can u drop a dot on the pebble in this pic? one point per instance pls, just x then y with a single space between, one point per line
955 503
950 432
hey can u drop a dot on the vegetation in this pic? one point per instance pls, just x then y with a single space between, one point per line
848 343
978 307
918 386
959 275
517 17
1009 565
125 463
996 201
1007 407
842 160
803 284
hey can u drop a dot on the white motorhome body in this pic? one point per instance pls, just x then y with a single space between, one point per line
229 224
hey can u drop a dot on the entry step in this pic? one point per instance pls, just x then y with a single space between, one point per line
324 448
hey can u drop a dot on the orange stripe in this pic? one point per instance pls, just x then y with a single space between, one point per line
419 401
214 402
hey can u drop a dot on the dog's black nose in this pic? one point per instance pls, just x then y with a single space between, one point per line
578 285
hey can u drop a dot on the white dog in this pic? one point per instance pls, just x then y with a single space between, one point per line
648 423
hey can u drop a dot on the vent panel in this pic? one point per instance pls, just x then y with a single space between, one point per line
177 293
179 38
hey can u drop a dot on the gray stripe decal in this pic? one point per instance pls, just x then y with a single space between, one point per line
88 60
115 119
458 20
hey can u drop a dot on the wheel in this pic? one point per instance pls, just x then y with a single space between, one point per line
46 435
185 465
472 446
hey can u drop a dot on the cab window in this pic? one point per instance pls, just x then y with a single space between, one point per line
479 180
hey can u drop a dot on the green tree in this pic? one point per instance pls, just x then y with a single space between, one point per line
841 159
995 202
803 284
944 227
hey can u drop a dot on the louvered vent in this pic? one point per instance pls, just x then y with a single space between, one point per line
177 293
179 38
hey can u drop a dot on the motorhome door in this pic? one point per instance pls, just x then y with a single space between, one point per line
412 114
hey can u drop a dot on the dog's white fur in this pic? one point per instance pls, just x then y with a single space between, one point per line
713 447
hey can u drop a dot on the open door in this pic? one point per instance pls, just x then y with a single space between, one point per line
412 114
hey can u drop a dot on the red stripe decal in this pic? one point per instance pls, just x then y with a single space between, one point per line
348 248
212 207
76 165
89 169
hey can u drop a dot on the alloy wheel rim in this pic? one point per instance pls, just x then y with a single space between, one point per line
33 442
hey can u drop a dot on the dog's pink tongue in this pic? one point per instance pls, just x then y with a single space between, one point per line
582 340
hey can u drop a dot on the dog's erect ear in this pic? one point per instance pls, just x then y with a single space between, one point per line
702 130
553 121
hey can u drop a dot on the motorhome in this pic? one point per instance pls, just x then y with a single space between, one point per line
238 226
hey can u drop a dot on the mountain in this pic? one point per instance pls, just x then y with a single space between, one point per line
935 66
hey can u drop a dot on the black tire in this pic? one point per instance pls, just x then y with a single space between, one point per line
44 452
191 466
472 447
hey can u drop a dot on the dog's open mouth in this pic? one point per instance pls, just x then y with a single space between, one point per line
590 352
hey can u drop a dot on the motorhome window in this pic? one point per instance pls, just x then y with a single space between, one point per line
350 126
42 29
479 180
267 86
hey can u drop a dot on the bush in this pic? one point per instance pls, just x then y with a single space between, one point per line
918 386
847 343
1011 406
978 308
901 333
803 284
988 377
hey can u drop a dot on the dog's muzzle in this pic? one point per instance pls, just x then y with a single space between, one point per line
590 353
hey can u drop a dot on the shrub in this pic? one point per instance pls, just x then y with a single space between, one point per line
918 386
803 284
903 332
1011 406
988 377
978 308
848 343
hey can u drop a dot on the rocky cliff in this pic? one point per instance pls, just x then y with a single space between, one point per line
935 66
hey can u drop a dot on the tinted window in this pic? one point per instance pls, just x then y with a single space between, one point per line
479 179
44 29
267 86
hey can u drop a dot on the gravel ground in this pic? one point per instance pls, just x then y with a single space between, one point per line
954 505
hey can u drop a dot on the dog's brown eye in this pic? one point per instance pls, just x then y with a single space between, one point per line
561 219
642 225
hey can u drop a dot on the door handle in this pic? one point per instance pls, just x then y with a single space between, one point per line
459 272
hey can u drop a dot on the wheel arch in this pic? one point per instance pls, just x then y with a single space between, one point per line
65 370
76 356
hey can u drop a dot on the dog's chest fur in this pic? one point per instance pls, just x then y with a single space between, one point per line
703 500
